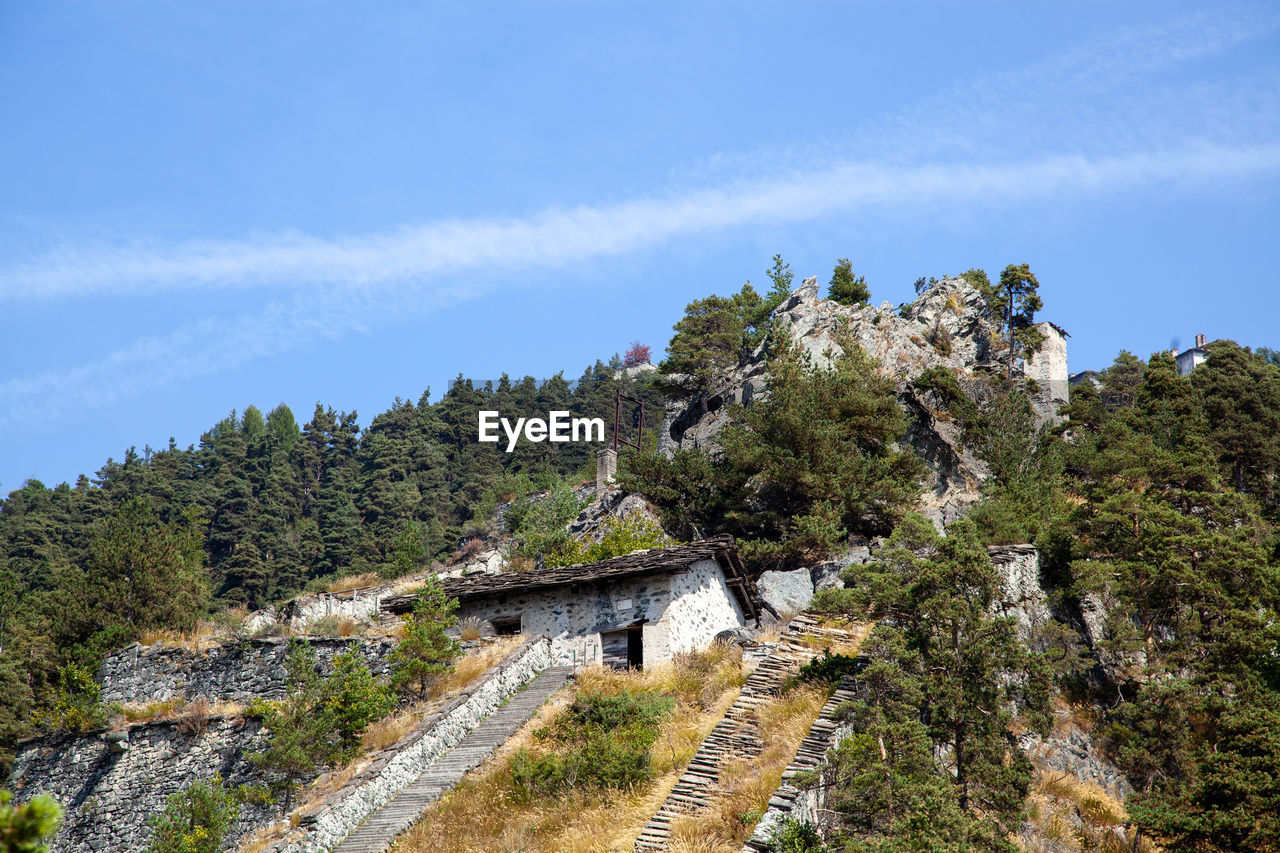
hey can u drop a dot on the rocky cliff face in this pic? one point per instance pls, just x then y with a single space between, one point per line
947 326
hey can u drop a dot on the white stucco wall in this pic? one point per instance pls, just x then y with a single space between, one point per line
701 607
678 612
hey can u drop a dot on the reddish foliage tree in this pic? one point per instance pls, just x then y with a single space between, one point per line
637 353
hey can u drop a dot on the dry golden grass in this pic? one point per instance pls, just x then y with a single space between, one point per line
746 785
388 730
1068 716
335 625
179 709
1077 815
166 709
262 838
353 582
468 668
409 583
481 815
769 635
203 637
521 564
1095 805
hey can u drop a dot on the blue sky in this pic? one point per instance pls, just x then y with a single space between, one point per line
205 206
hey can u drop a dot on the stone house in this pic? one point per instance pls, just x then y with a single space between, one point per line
1191 358
629 611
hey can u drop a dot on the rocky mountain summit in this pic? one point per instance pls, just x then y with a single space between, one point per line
947 326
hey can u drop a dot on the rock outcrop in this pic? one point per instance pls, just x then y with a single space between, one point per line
947 326
1023 596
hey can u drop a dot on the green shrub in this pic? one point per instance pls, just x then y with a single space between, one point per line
621 536
600 741
320 722
324 626
826 669
796 836
543 526
196 819
353 700
510 488
425 652
836 602
77 707
24 828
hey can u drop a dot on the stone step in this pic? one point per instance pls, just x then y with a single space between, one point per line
736 734
380 829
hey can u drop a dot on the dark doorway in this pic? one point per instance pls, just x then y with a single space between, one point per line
507 626
623 649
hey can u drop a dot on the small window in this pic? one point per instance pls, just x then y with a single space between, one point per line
507 626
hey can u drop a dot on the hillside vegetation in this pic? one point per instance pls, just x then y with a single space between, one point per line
1154 504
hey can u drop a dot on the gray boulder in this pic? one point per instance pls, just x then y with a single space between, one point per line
786 592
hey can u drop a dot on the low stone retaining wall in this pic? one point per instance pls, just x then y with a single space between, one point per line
341 812
234 672
111 784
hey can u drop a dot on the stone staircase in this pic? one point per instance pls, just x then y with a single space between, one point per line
809 756
737 735
381 828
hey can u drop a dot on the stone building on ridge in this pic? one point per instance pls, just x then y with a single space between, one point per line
630 611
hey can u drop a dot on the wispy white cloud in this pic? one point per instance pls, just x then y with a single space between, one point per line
555 238
209 346
427 262
1117 89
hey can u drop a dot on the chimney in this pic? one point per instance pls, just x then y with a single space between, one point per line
606 468
1200 341
1173 351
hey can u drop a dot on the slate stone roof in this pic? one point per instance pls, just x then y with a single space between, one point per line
652 561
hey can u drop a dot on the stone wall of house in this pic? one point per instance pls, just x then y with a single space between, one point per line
701 607
236 672
111 784
398 765
678 612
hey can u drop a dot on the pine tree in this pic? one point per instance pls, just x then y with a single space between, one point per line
350 699
145 575
819 452
300 734
945 669
26 828
425 652
845 288
1014 304
708 339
